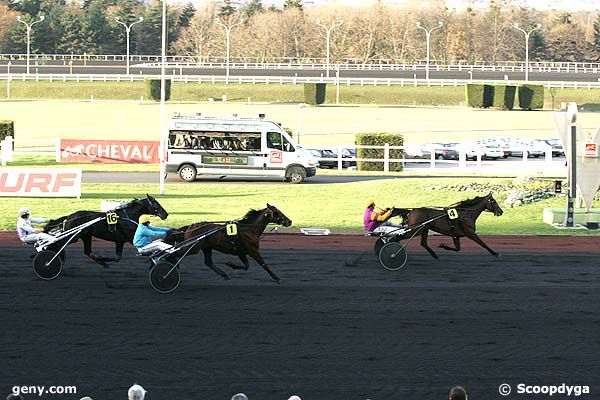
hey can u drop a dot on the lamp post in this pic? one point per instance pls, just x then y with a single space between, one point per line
128 31
228 29
537 26
328 30
163 132
29 26
428 36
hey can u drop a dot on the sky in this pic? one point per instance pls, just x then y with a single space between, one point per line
572 5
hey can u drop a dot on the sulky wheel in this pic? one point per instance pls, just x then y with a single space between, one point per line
44 268
378 245
164 277
393 256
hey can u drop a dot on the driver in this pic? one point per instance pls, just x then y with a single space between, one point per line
374 218
26 232
145 236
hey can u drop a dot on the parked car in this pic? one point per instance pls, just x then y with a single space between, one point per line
557 148
488 151
416 151
445 151
329 159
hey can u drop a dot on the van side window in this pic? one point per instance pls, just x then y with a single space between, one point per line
274 140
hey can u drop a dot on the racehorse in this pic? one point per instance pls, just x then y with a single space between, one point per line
457 226
244 243
119 233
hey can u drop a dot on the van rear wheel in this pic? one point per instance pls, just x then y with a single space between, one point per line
295 175
188 173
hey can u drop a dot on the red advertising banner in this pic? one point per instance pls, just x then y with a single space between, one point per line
40 182
109 151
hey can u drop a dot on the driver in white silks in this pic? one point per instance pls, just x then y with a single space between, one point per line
27 233
145 236
377 221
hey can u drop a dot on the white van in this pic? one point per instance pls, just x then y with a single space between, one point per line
200 145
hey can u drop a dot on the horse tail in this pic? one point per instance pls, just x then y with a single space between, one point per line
54 224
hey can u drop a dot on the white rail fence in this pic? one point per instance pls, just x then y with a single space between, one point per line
312 63
281 80
550 166
10 147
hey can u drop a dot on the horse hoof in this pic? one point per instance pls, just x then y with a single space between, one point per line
278 281
226 277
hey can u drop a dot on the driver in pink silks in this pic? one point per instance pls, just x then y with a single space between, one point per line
373 219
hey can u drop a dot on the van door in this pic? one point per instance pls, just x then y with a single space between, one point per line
280 153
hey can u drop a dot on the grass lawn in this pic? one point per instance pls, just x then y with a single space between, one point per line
336 206
317 125
275 92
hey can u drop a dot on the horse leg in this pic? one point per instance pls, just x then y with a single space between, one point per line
87 249
424 244
244 259
253 252
456 245
119 250
210 264
474 237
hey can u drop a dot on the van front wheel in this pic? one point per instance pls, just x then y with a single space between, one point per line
187 173
295 175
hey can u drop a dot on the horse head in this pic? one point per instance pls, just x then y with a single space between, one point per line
277 217
153 207
492 205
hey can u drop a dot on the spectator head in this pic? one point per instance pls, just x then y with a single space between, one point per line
239 396
458 393
13 396
136 392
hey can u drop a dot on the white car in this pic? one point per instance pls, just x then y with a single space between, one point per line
488 151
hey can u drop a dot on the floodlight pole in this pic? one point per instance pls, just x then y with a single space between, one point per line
163 141
228 29
328 30
127 32
28 31
537 26
428 36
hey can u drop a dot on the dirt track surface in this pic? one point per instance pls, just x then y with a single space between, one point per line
338 327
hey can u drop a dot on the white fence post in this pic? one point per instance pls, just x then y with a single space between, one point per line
57 149
7 150
339 159
386 157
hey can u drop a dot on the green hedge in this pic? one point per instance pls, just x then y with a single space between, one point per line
153 89
378 139
504 97
314 93
7 128
479 96
531 97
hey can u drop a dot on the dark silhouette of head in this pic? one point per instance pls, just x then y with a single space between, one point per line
458 393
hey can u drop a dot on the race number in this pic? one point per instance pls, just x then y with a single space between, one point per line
452 213
231 229
112 218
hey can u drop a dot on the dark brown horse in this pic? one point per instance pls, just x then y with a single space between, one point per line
120 233
245 242
455 224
